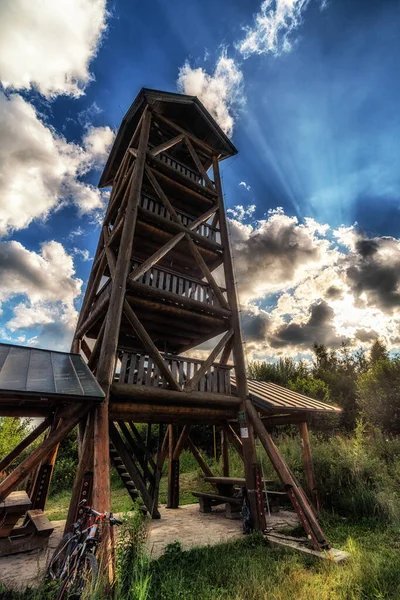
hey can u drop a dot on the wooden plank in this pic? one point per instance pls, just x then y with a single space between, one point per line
40 522
332 555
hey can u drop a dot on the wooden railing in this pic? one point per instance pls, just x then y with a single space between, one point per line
170 281
156 207
175 164
138 368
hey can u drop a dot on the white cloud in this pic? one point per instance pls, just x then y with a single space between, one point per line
47 286
273 26
48 44
220 92
40 170
245 185
240 213
83 254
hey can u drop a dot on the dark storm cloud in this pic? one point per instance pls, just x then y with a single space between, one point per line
374 269
333 293
318 328
254 327
366 336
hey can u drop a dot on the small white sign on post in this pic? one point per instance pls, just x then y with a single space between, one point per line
244 432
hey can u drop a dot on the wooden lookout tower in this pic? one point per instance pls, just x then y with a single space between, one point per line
162 291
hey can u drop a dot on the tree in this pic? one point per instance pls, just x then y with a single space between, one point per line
378 352
12 431
378 393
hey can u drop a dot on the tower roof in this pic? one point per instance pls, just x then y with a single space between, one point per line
186 111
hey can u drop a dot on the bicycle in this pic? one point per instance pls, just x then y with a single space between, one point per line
74 561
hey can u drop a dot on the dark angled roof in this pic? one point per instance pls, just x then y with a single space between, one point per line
186 111
30 372
275 398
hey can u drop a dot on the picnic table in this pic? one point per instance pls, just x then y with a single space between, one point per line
226 485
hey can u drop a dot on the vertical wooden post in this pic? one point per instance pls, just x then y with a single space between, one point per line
225 453
309 467
105 368
173 471
246 427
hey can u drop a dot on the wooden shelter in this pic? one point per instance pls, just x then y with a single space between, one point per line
153 294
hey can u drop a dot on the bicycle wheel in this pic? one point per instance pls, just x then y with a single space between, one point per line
77 581
56 564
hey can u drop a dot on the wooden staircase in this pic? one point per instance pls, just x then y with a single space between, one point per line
123 473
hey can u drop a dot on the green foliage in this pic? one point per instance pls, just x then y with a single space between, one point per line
132 561
314 388
12 432
378 392
66 464
280 372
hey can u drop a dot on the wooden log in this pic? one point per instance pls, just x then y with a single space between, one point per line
11 456
161 455
198 163
224 453
150 413
166 145
85 465
199 193
159 191
181 442
30 462
234 439
296 494
99 308
192 383
175 227
249 452
274 421
309 467
85 348
207 274
226 352
189 302
92 362
150 346
173 470
106 364
205 147
152 260
200 460
91 294
121 392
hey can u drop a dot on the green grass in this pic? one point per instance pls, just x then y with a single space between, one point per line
250 569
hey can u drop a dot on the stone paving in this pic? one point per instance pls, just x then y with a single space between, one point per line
185 524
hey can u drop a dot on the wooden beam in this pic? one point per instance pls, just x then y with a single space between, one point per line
173 471
200 460
308 467
85 465
181 442
30 462
150 346
249 451
109 253
92 362
226 352
290 419
107 358
15 452
98 309
205 147
207 273
152 260
224 453
85 348
160 193
161 413
192 383
234 439
144 393
198 163
166 145
296 494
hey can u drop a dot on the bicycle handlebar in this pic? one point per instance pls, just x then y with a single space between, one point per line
95 513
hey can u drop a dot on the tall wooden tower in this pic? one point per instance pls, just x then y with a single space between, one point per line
152 296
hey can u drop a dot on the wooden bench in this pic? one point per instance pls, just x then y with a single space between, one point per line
207 501
274 498
31 535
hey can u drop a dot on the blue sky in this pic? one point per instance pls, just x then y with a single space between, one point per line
309 91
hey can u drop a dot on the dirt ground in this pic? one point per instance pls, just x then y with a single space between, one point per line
186 525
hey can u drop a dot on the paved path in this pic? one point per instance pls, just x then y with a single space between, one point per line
185 524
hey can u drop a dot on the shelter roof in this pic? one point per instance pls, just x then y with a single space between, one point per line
43 374
186 111
270 397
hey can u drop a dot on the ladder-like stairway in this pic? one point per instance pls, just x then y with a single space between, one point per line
123 473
